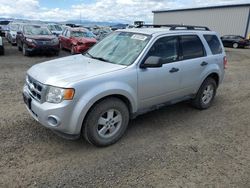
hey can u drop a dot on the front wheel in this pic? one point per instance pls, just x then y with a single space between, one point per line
205 95
25 52
106 122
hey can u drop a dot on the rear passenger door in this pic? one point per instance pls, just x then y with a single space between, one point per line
192 62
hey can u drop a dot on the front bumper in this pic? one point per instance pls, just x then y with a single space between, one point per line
81 48
43 49
53 116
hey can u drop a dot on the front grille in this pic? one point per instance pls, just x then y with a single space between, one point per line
36 89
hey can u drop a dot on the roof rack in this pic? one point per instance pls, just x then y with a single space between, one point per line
175 27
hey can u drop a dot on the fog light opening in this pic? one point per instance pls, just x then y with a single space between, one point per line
53 121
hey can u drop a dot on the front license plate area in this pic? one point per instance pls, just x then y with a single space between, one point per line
27 100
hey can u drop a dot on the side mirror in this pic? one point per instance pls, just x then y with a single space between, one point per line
19 33
152 62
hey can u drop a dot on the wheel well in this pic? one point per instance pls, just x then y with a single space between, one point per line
121 97
215 77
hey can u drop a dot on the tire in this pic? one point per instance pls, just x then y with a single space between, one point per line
205 96
19 47
235 45
72 50
57 53
2 51
61 46
25 52
106 122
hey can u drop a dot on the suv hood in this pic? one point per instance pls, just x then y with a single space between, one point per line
65 71
41 37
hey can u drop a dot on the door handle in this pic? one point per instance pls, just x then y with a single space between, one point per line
174 70
204 63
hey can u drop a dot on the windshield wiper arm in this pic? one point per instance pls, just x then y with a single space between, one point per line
98 58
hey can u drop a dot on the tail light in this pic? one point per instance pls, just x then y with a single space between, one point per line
225 62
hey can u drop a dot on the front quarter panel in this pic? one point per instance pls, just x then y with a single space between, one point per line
90 91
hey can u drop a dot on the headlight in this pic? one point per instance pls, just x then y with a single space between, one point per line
29 40
55 41
57 95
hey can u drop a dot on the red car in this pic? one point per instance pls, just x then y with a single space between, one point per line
77 40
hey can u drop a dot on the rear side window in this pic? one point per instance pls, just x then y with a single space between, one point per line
213 43
191 46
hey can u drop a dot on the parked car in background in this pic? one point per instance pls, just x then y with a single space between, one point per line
4 27
1 46
36 39
56 29
235 41
102 33
11 34
77 40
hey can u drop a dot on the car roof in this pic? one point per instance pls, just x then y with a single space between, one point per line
164 30
77 29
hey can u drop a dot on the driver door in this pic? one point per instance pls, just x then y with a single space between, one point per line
159 85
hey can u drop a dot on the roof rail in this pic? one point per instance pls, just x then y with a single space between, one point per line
176 27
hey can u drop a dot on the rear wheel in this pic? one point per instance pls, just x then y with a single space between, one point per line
106 122
205 95
235 45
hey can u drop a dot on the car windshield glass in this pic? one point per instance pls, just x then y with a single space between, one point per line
58 27
119 48
36 30
14 27
85 34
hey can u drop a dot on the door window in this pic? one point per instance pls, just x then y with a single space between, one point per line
68 34
191 46
166 48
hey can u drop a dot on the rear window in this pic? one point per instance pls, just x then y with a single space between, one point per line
192 47
214 44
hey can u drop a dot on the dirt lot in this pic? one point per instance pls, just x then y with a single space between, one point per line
176 146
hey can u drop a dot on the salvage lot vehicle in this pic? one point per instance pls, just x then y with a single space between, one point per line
4 27
11 34
1 46
77 40
96 94
235 41
56 29
36 39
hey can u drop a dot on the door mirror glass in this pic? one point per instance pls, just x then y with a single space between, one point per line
152 62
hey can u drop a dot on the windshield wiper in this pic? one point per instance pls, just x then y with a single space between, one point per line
98 58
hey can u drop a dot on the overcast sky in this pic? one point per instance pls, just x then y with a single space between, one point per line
98 10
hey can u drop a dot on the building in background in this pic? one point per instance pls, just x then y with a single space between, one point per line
226 20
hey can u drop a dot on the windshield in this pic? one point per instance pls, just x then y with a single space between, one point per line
54 28
86 34
36 30
13 27
120 48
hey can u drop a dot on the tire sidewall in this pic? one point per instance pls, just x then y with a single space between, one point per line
208 81
91 123
235 45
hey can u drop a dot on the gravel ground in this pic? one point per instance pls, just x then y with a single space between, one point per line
177 146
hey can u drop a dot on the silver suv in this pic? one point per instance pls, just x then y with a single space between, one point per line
128 73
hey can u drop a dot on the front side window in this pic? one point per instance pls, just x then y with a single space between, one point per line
67 33
214 44
191 46
119 48
166 48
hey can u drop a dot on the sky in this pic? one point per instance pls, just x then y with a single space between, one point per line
124 11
